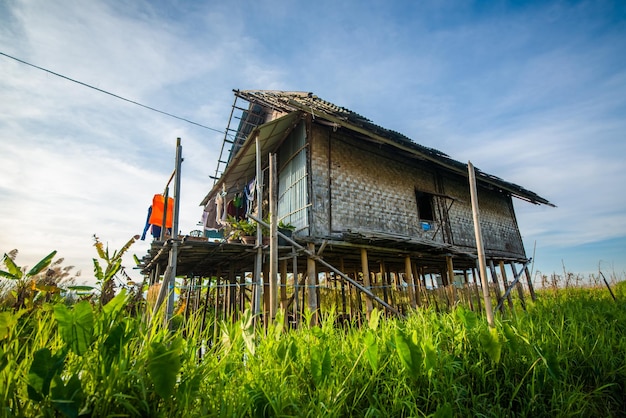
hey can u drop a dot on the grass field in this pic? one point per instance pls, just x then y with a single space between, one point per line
564 356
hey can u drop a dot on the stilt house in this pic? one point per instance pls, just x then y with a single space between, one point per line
392 218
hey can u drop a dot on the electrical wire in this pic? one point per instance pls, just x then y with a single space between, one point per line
110 94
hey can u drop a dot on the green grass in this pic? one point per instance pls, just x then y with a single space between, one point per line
565 356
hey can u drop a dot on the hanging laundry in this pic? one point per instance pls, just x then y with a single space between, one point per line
156 217
145 229
219 211
249 190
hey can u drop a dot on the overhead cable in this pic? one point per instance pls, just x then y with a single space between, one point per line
110 94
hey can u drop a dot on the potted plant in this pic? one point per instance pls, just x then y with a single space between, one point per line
243 229
285 229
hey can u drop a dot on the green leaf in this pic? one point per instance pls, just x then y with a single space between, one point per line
81 288
76 326
67 398
43 368
7 321
374 319
320 364
410 354
371 350
444 411
44 263
14 273
8 275
97 270
115 305
112 270
3 360
430 356
551 362
163 367
491 343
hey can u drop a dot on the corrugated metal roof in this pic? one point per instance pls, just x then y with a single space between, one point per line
291 101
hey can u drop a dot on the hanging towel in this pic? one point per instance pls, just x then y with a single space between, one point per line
158 203
145 228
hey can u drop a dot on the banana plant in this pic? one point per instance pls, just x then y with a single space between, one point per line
104 277
26 283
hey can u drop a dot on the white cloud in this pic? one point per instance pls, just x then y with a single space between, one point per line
534 94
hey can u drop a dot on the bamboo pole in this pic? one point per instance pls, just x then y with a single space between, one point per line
408 277
315 257
494 278
312 283
258 262
283 287
506 284
520 290
479 244
273 237
531 288
366 282
170 284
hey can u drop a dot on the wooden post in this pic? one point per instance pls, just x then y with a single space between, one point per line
273 274
231 290
408 277
475 277
415 272
366 282
494 278
296 287
479 243
506 284
450 272
343 290
383 280
312 283
469 290
531 289
283 287
520 291
258 262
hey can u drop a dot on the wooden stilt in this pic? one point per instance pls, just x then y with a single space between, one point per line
506 284
475 277
529 280
366 282
359 301
266 294
283 287
479 243
494 279
520 290
343 290
383 280
408 278
296 288
415 272
469 290
231 290
312 284
450 275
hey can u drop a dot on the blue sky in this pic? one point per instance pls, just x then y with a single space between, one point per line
533 92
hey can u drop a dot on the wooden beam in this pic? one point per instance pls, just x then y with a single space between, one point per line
366 281
312 283
273 273
408 277
479 243
505 283
494 279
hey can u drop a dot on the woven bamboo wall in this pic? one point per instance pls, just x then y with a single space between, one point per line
356 185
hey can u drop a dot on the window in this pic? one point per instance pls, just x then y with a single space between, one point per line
424 205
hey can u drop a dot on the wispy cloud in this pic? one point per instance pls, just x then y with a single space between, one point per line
533 93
